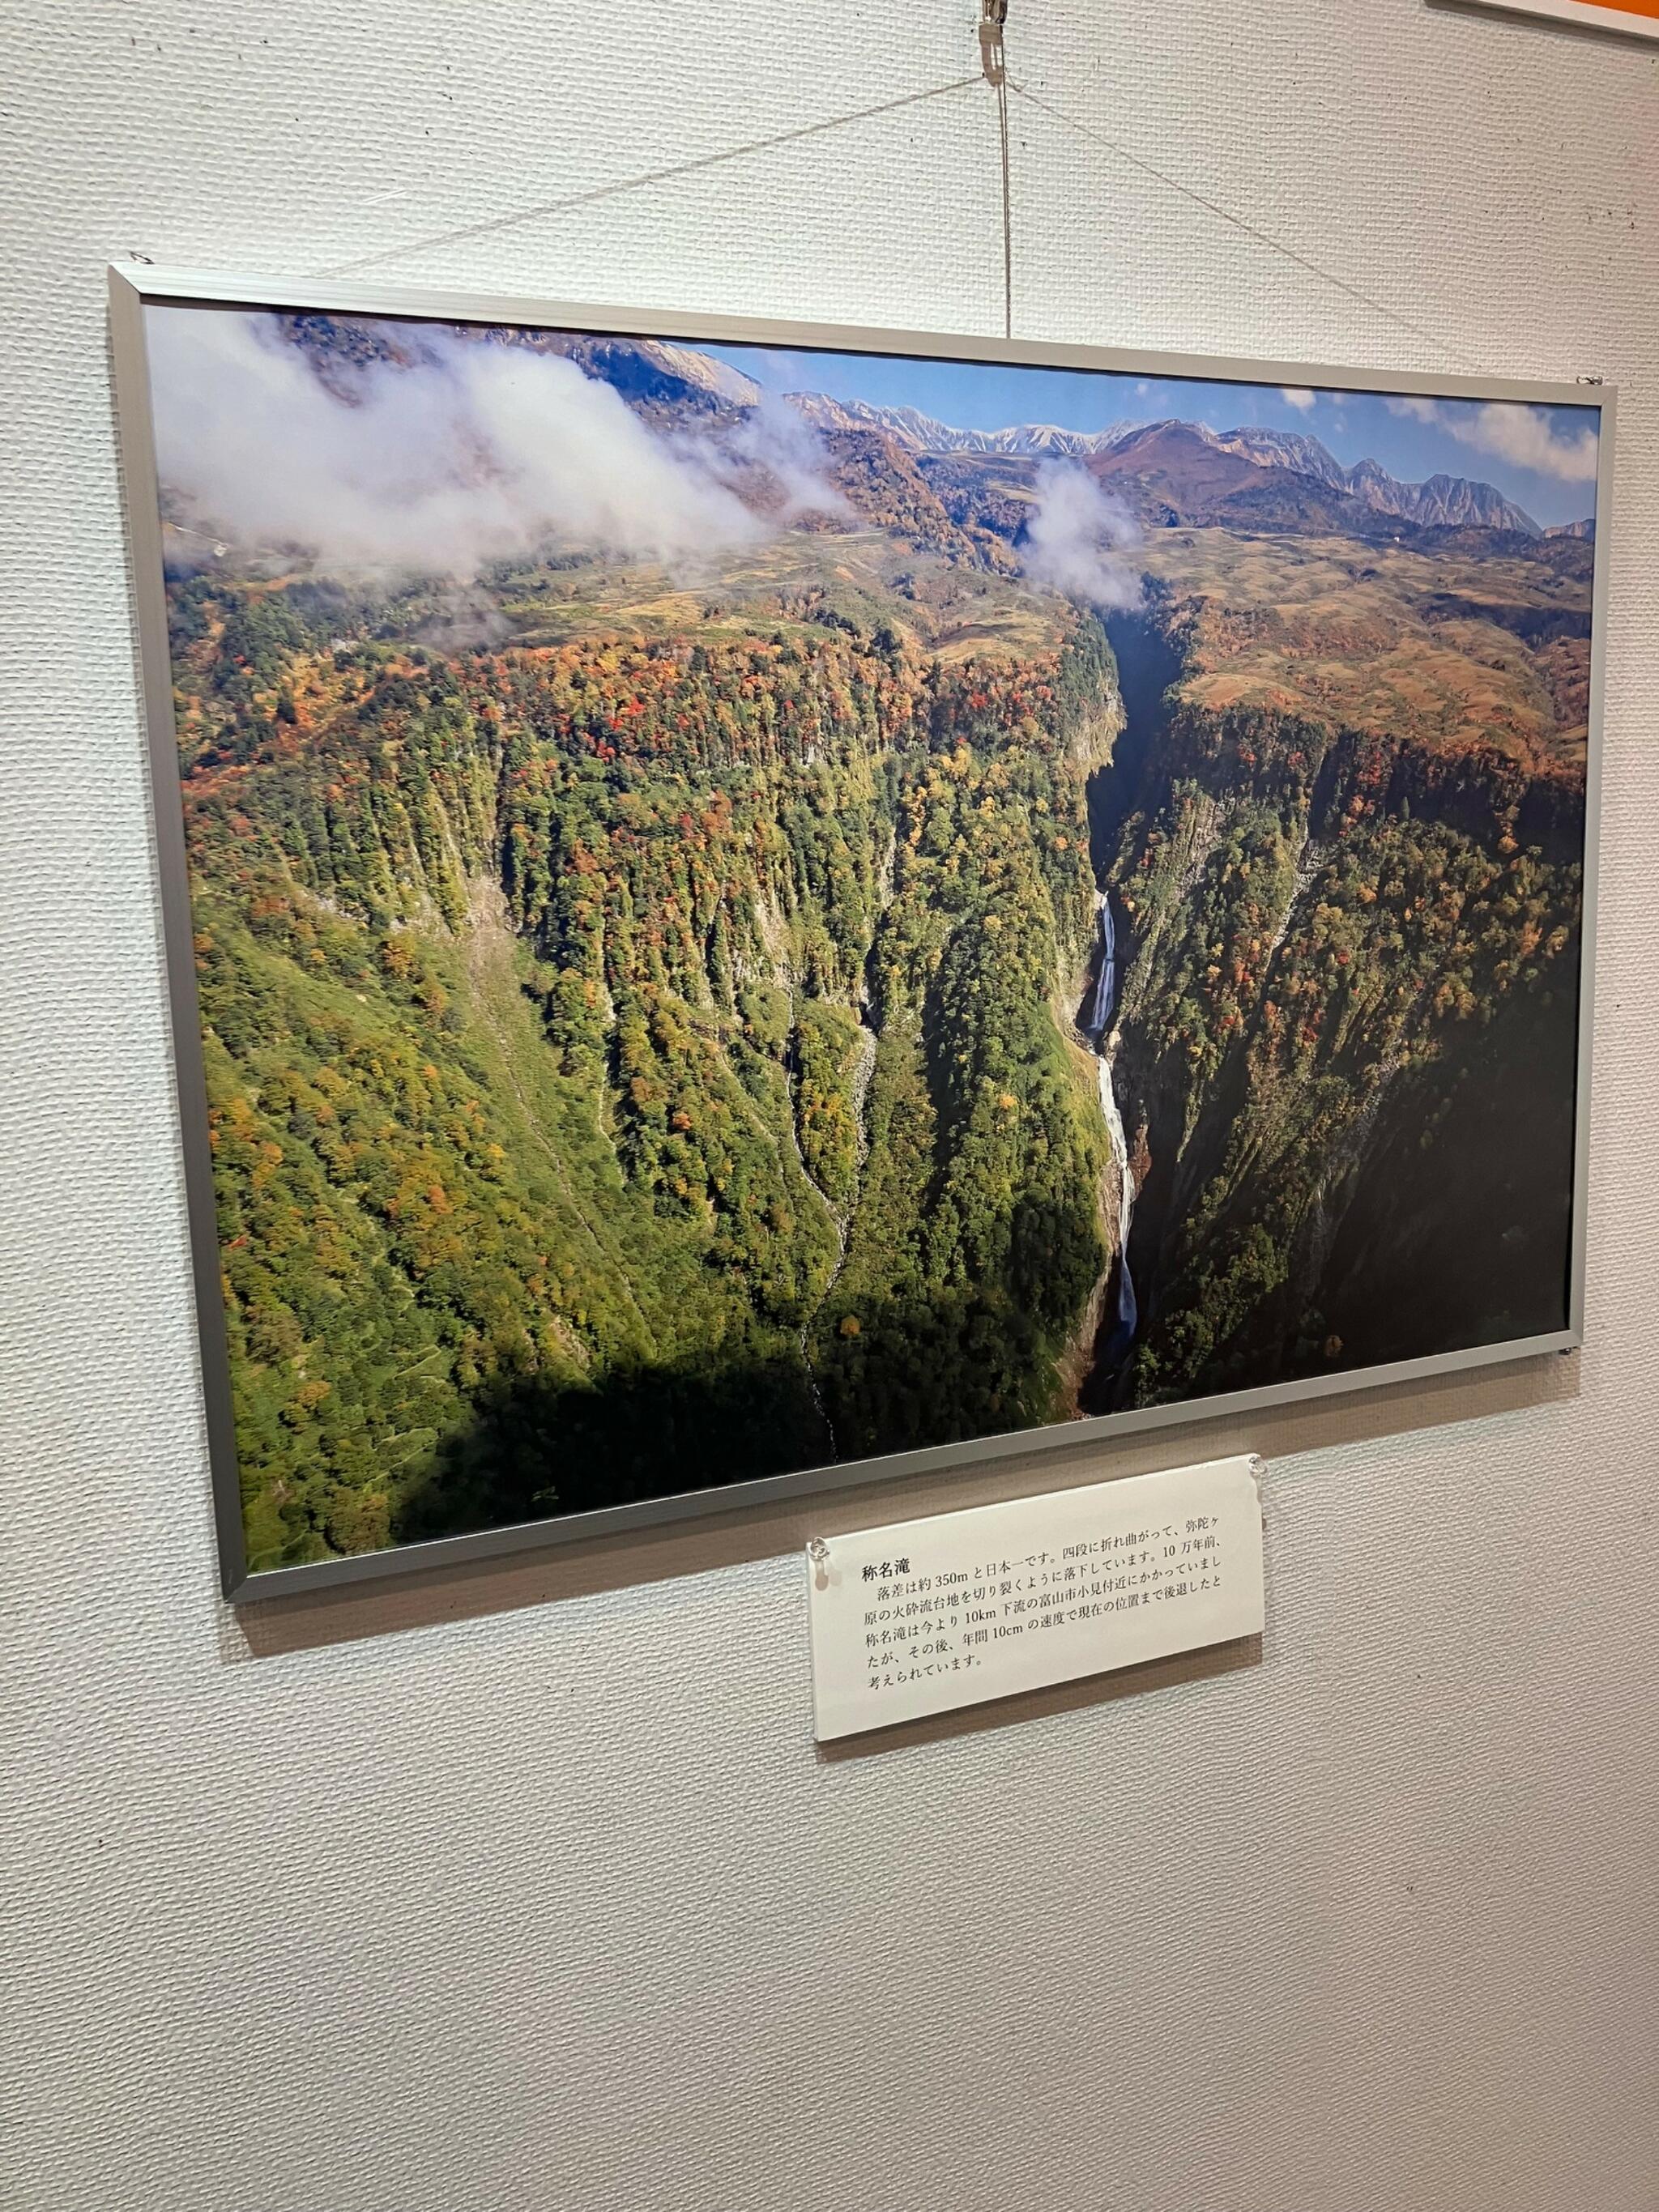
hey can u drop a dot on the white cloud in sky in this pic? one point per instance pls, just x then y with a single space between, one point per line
777 438
478 453
1297 396
1511 431
1524 436
1076 539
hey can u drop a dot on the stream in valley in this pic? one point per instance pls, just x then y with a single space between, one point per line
1147 665
1118 1330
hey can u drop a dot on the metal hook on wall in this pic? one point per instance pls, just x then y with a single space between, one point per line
993 14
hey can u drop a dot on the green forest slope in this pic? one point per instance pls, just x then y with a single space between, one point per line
631 1064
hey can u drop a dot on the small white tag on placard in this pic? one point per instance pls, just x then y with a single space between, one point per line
926 1615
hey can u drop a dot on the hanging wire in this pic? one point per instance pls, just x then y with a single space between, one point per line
1238 223
993 22
649 177
992 31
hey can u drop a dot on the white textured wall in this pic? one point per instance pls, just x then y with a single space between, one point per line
524 1891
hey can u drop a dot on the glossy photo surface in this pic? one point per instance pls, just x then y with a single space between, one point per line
754 908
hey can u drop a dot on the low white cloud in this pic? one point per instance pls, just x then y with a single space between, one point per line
474 452
1297 396
1510 431
1525 437
1076 539
775 438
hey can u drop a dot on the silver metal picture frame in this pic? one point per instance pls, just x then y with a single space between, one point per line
135 288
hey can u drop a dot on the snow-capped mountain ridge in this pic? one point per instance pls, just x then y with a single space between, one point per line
1453 502
924 434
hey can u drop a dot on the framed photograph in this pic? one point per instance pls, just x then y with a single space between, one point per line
751 907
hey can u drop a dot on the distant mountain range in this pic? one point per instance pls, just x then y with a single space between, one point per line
966 492
923 434
1440 501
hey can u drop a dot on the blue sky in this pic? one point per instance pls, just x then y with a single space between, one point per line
1540 457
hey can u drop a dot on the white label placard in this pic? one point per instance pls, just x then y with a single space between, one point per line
926 1615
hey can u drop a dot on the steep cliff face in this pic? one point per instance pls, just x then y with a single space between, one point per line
632 1066
1347 1038
661 1060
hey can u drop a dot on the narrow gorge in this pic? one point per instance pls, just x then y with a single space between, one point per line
1339 963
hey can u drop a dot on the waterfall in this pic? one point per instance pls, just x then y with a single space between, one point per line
1101 1007
1105 995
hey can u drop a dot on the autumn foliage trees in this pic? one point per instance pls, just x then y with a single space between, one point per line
1325 923
604 1034
638 1064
